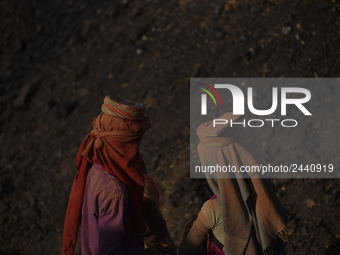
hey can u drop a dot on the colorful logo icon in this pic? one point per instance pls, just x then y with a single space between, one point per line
204 97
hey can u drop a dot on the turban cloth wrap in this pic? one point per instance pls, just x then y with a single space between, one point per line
114 144
253 218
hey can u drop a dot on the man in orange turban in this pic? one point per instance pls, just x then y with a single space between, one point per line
107 192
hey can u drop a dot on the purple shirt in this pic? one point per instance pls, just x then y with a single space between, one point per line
106 224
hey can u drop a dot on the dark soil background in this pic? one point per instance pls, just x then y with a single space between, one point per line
58 59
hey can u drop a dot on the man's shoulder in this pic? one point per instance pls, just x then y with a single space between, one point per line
104 182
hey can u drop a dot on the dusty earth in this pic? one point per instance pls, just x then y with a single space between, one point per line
58 59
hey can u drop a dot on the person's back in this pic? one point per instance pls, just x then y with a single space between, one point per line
106 225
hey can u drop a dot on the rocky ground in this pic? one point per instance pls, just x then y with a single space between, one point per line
58 59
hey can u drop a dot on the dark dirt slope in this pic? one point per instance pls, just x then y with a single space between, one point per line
58 59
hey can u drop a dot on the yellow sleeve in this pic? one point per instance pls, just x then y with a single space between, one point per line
206 217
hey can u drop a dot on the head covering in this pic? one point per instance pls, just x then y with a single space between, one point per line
123 108
114 144
253 217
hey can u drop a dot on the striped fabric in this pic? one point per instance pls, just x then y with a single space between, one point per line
123 108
